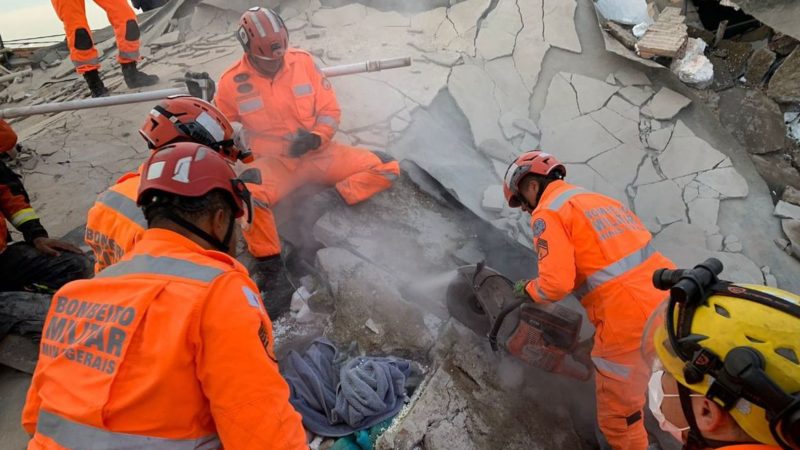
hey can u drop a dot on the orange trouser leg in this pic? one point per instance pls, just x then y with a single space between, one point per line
126 30
621 385
262 234
72 14
357 173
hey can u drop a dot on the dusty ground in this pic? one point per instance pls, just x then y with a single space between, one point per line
489 79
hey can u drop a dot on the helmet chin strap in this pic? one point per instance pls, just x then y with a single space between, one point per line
223 245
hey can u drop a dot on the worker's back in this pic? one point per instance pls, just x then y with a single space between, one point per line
114 223
602 253
170 348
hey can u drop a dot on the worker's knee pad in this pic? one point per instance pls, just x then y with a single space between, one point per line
383 156
83 39
131 30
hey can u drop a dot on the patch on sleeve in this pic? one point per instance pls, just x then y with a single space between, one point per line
263 336
253 299
542 249
539 225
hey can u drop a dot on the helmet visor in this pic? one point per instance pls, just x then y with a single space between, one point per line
655 338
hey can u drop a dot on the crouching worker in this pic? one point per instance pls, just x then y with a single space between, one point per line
171 346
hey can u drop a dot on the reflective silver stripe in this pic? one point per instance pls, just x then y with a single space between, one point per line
272 20
76 435
302 89
124 206
328 120
259 27
614 270
260 203
611 367
251 105
161 265
22 216
85 62
540 292
562 198
129 55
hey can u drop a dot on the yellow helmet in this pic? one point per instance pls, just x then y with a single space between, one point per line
738 345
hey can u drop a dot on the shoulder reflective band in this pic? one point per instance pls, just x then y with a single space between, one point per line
302 89
614 270
124 206
562 198
75 435
607 366
161 265
22 216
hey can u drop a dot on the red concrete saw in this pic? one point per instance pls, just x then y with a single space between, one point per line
546 336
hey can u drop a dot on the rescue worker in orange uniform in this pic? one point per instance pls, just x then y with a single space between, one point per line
115 223
594 247
738 387
170 347
289 113
83 53
39 263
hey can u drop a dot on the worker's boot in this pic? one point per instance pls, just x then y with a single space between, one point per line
136 79
272 280
96 85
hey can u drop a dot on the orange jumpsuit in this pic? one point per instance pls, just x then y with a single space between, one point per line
272 111
596 248
79 36
168 348
115 223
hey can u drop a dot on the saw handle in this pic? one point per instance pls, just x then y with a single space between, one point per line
499 321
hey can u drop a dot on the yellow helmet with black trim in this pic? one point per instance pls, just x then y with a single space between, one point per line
728 318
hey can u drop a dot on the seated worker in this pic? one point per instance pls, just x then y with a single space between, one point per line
725 359
594 247
39 263
289 113
170 347
114 222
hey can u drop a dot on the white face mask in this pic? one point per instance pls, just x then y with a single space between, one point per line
656 397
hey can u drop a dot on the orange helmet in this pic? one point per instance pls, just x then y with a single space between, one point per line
534 162
264 37
183 118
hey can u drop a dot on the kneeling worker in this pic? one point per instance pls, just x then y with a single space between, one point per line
594 247
170 347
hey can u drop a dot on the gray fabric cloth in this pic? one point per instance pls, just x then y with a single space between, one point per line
336 396
23 313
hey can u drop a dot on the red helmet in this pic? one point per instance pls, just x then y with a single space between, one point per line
182 118
189 169
263 34
536 163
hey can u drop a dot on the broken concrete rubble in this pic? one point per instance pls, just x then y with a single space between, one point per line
686 154
758 65
693 68
665 37
786 210
753 119
784 86
592 94
665 104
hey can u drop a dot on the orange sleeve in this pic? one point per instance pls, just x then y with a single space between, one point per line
556 256
8 138
239 375
30 412
328 111
224 99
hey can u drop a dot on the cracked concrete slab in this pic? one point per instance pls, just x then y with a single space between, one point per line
704 212
665 105
629 76
624 129
686 154
498 33
472 90
658 139
647 173
339 17
586 177
559 25
619 165
727 181
659 204
509 88
561 104
577 140
464 15
592 94
623 108
367 102
636 95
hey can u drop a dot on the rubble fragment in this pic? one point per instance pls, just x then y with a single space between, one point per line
786 210
571 146
665 37
791 227
665 104
758 65
592 93
659 204
784 86
791 195
727 181
636 95
559 25
686 154
732 244
753 119
471 87
693 68
493 198
498 32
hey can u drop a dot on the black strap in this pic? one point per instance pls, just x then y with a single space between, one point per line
223 246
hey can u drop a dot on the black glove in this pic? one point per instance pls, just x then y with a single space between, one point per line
200 85
303 143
